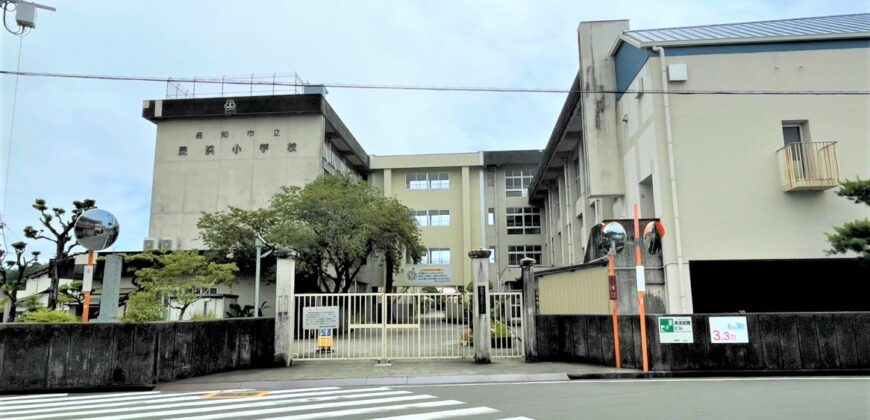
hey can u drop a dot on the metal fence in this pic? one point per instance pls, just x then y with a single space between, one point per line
408 326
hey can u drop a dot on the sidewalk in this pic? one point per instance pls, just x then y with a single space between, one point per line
350 373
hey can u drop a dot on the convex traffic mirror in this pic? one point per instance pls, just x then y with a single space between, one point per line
612 235
96 229
652 237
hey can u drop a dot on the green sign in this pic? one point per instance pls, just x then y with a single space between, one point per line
675 329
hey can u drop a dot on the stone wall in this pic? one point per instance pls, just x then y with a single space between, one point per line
97 355
824 341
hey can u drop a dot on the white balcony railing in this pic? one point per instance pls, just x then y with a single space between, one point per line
809 166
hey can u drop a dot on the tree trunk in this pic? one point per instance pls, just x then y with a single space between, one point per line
13 306
181 315
55 276
388 281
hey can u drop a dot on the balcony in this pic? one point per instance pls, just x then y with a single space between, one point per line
809 166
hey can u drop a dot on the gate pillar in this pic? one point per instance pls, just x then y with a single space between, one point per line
530 287
285 303
480 311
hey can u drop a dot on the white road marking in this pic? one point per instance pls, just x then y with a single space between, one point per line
290 409
462 412
35 396
368 410
83 398
49 406
220 404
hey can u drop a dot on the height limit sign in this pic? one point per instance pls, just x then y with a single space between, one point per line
675 329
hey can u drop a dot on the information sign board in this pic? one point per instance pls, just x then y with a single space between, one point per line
728 329
675 329
317 317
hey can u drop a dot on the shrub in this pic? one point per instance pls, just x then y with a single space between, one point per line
48 316
144 307
203 317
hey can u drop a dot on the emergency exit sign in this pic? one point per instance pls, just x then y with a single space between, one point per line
675 329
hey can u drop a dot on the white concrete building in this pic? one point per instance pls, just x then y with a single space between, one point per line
735 137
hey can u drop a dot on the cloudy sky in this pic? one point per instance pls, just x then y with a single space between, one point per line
81 138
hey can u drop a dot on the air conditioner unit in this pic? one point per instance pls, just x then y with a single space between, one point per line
149 244
168 244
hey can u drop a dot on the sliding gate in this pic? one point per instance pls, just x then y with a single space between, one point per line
401 326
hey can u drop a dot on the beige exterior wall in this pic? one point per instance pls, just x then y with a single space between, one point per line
473 190
581 292
461 199
186 186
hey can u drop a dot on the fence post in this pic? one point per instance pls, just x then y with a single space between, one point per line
482 337
530 310
285 307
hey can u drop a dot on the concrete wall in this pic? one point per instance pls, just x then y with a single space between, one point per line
724 149
495 197
580 292
186 186
833 341
82 356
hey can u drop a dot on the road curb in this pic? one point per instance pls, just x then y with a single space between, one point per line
717 374
367 381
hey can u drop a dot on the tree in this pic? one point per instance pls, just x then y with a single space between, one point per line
144 306
60 234
853 236
334 225
183 277
71 294
13 276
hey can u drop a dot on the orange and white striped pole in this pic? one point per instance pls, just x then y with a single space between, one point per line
611 278
640 277
87 285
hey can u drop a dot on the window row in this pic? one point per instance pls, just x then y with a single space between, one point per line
427 181
518 252
431 217
332 157
523 221
516 182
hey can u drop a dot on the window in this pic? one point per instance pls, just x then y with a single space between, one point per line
436 256
431 217
490 216
523 221
516 182
427 181
439 217
492 255
518 252
421 217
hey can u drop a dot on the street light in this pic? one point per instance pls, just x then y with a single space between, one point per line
259 243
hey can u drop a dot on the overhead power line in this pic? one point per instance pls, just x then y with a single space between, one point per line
432 88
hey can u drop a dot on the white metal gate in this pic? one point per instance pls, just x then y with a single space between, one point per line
409 326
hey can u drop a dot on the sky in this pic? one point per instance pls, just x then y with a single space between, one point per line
76 139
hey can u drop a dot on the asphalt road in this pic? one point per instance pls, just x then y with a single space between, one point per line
703 398
746 398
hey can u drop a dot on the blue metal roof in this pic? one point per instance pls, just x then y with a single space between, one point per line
822 27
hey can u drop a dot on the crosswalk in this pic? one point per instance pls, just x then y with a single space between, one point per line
308 403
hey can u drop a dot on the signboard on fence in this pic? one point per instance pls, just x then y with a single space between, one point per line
426 275
317 317
728 329
675 329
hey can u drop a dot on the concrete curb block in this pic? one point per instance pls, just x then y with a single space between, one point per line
382 381
717 374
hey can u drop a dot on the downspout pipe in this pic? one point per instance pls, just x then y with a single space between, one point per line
684 304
